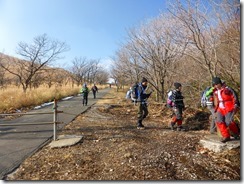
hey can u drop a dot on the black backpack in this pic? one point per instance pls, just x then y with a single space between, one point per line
135 92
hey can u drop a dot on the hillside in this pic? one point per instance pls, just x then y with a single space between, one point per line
11 62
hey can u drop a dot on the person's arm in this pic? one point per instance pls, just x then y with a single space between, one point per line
236 101
174 98
209 92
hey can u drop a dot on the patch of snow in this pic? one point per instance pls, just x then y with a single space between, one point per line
51 103
44 105
38 107
67 98
47 104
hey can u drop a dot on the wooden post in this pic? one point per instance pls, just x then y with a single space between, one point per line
55 120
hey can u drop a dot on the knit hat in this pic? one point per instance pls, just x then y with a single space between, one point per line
216 80
143 80
177 85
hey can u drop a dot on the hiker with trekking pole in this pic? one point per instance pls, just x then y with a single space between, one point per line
140 96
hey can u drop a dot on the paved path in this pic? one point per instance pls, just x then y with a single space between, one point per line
19 142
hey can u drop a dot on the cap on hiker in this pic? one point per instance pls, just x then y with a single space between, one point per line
216 80
177 85
143 80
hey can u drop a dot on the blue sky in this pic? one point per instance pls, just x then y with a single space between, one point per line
92 28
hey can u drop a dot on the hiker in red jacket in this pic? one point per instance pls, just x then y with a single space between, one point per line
227 104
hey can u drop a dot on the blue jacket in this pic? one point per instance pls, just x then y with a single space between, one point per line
142 97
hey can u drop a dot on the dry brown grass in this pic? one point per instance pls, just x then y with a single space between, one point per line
14 98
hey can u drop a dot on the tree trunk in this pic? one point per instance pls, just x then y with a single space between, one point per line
162 90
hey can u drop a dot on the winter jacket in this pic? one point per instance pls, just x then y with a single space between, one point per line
94 89
142 97
177 99
227 99
84 90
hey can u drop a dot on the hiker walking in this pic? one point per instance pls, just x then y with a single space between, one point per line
84 91
210 105
227 104
177 107
142 100
94 90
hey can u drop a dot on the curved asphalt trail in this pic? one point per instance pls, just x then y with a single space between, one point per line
19 142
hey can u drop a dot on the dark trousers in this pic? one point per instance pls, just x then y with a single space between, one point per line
212 119
94 94
85 99
142 111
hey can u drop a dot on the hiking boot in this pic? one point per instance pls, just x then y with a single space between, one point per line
140 125
180 128
172 126
140 128
224 140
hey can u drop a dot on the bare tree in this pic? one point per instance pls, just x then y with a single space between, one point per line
228 18
92 70
102 76
212 30
204 29
118 75
79 69
128 64
194 42
2 72
157 50
35 56
85 70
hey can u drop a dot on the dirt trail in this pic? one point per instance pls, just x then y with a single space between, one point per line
113 149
